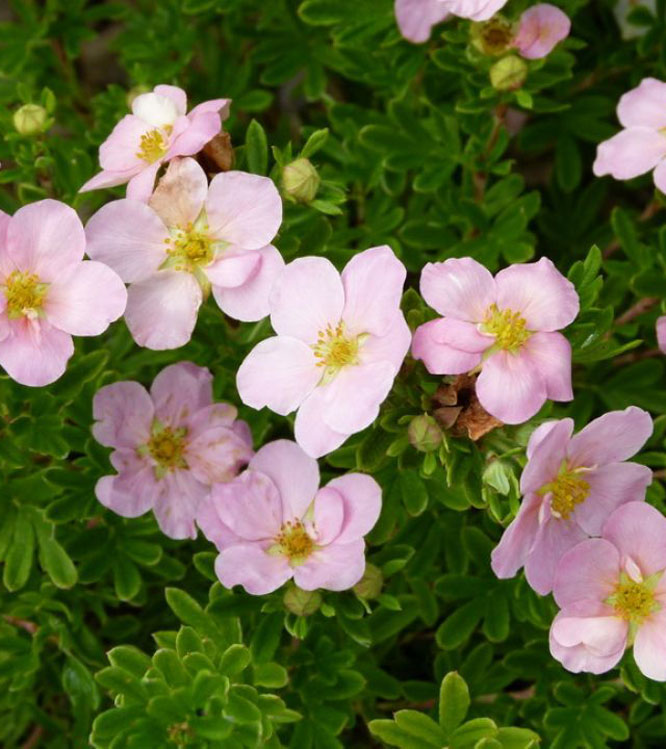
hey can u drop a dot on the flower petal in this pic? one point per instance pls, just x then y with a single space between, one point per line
199 130
588 572
613 437
362 497
118 153
661 333
177 96
307 297
538 435
131 493
334 567
550 353
244 209
34 352
644 106
328 516
232 270
392 347
546 458
278 373
250 301
45 238
217 455
440 358
123 414
251 567
311 431
295 474
611 485
250 506
180 195
630 153
555 537
373 281
638 530
650 646
459 288
162 310
540 293
510 387
511 552
542 27
87 301
177 505
140 187
417 17
179 391
129 237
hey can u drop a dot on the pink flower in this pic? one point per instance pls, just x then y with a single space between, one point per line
48 292
541 28
188 239
157 130
570 486
170 446
273 523
339 345
506 326
641 146
612 593
661 333
417 17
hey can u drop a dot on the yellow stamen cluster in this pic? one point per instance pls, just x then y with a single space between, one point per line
334 349
190 247
633 600
508 327
166 447
493 37
154 144
294 542
24 294
568 490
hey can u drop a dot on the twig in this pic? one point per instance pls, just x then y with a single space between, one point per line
641 306
34 738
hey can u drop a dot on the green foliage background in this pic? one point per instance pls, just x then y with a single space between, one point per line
109 630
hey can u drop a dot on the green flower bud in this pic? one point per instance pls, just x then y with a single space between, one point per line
30 119
300 181
424 433
301 602
370 585
493 37
509 73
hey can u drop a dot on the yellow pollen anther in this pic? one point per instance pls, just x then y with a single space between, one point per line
166 447
294 542
191 247
633 601
334 348
154 144
24 294
568 490
508 327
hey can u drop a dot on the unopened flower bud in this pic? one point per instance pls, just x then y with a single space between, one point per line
300 180
370 585
301 602
494 37
508 74
30 119
424 433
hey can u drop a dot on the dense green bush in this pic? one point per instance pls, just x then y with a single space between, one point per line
113 635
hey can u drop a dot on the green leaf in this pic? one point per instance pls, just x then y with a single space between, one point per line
18 561
57 563
236 658
471 732
453 702
256 148
420 726
393 735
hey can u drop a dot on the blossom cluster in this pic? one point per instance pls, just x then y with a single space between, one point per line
583 531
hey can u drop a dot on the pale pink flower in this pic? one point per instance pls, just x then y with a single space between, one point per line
661 333
641 146
541 28
48 292
170 446
273 523
571 485
189 239
339 345
158 129
506 327
417 17
612 592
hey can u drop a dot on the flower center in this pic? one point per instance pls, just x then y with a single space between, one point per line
190 247
508 327
493 37
633 600
154 144
335 349
166 447
24 294
294 542
568 490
